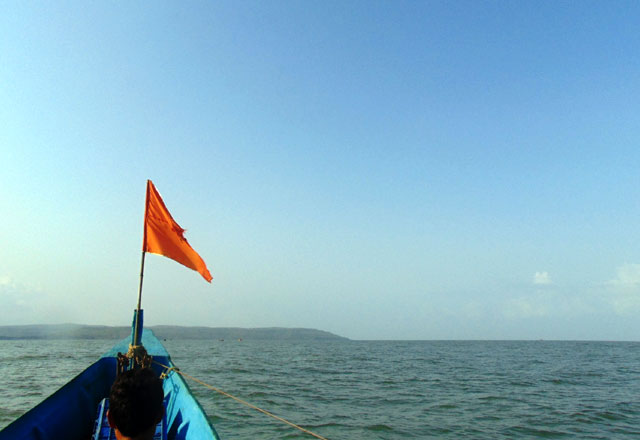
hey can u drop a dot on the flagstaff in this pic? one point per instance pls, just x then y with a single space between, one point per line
136 336
162 235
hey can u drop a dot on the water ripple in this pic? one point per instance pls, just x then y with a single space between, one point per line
377 390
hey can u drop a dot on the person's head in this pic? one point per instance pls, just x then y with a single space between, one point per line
135 404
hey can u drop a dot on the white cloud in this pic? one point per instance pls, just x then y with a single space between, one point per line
627 275
542 278
625 289
5 281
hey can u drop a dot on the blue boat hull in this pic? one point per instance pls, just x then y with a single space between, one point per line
70 412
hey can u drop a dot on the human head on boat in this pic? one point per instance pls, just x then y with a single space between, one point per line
135 404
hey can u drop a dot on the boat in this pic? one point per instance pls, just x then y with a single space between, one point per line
73 413
78 409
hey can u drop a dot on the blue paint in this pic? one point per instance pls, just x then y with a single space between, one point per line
70 412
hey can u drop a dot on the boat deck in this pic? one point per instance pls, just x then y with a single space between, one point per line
102 430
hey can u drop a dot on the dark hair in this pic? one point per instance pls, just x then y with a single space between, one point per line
135 401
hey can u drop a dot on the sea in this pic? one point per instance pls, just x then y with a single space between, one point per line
375 389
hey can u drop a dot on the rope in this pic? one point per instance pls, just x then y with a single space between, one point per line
211 387
168 370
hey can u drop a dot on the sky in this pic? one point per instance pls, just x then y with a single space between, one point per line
376 169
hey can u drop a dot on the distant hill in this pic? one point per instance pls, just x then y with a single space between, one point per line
77 331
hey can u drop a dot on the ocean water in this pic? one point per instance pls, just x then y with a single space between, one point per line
376 390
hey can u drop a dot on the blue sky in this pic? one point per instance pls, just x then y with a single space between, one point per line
381 170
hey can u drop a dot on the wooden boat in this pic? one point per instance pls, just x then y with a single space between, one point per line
70 413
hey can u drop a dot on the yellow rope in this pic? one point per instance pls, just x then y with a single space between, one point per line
211 387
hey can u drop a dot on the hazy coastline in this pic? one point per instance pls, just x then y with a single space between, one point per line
79 331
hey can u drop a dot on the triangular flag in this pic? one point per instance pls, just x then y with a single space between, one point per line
163 236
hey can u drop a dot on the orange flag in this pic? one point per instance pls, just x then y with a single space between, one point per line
163 236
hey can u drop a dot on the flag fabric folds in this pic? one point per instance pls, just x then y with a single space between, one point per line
163 236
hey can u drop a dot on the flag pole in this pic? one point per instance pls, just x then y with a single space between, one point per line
137 322
141 278
138 312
